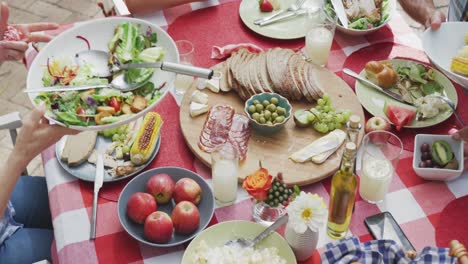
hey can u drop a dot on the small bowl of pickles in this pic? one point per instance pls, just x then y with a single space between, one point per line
268 112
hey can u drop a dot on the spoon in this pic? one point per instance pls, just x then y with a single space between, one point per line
100 60
245 243
451 104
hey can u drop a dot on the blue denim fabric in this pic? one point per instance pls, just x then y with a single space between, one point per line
32 242
458 10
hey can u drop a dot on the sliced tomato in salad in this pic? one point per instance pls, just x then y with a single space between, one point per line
115 104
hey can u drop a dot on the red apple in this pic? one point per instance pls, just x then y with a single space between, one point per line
187 189
161 186
377 123
185 217
158 227
139 206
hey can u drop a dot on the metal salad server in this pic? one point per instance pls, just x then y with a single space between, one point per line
292 8
244 243
283 17
99 59
98 181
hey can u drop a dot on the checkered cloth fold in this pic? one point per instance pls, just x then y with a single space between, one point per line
349 250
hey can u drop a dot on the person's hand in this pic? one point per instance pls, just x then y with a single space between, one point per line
36 135
463 135
14 39
435 20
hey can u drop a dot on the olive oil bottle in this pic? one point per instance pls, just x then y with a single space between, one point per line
342 195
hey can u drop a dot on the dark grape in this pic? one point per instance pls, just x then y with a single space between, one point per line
428 163
422 164
425 147
55 106
425 156
126 156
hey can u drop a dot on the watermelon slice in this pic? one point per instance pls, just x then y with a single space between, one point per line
399 115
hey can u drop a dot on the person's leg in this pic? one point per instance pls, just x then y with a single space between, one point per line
31 202
27 245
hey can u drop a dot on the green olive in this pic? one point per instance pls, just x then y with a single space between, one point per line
274 115
271 107
255 102
262 120
281 111
252 109
267 114
256 116
259 107
269 122
265 103
279 119
274 100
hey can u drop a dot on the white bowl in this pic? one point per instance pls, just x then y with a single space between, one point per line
435 173
359 32
443 44
99 32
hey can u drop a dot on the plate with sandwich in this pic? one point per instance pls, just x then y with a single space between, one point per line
417 86
127 149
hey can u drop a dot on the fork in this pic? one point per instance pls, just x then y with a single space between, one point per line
292 8
451 105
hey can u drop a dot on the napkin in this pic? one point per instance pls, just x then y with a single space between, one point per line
226 51
349 250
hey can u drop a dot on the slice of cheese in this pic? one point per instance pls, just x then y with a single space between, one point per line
197 109
199 97
320 158
213 85
322 146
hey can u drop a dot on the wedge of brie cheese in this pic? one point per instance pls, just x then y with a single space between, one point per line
319 150
197 109
213 85
199 97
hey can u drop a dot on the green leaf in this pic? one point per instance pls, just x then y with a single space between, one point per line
432 87
69 118
297 191
415 74
152 54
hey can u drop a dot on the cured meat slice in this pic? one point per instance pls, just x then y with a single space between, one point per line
216 127
239 135
226 51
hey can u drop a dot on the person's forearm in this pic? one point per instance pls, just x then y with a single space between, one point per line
419 10
9 175
147 6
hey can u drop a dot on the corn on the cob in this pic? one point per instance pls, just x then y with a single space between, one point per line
466 38
145 140
460 65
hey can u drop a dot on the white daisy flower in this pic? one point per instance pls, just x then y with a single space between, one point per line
307 211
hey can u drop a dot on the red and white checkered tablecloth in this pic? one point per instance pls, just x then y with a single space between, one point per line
415 203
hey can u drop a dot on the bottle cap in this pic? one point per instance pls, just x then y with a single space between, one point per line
355 121
350 146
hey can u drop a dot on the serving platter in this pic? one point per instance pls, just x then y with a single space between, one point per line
373 101
274 150
87 171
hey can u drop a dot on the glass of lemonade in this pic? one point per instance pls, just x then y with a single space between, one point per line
381 151
319 37
186 51
224 173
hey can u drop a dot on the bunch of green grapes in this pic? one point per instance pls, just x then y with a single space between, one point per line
117 134
325 117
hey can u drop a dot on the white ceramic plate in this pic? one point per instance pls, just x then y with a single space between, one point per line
443 44
99 32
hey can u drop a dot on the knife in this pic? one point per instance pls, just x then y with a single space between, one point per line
373 85
340 12
279 18
97 185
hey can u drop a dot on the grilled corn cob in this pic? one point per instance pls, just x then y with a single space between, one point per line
459 65
145 141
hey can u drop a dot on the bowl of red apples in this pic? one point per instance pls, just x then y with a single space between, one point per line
166 206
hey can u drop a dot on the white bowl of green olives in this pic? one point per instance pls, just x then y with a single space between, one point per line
268 112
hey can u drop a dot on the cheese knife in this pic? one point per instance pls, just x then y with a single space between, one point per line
97 185
283 17
340 12
373 85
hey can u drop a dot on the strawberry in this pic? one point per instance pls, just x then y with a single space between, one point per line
266 6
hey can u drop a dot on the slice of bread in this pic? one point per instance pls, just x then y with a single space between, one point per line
79 147
299 79
262 74
294 88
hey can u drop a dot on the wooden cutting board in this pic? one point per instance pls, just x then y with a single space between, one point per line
274 150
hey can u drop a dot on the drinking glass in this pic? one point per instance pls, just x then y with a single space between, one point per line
319 37
381 151
186 51
224 172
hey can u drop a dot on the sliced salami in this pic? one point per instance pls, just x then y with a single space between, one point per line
239 135
216 128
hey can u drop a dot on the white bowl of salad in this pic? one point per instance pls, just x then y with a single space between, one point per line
128 40
364 17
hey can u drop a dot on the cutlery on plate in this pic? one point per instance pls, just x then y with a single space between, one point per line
292 8
283 17
373 85
97 185
244 243
340 12
451 104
